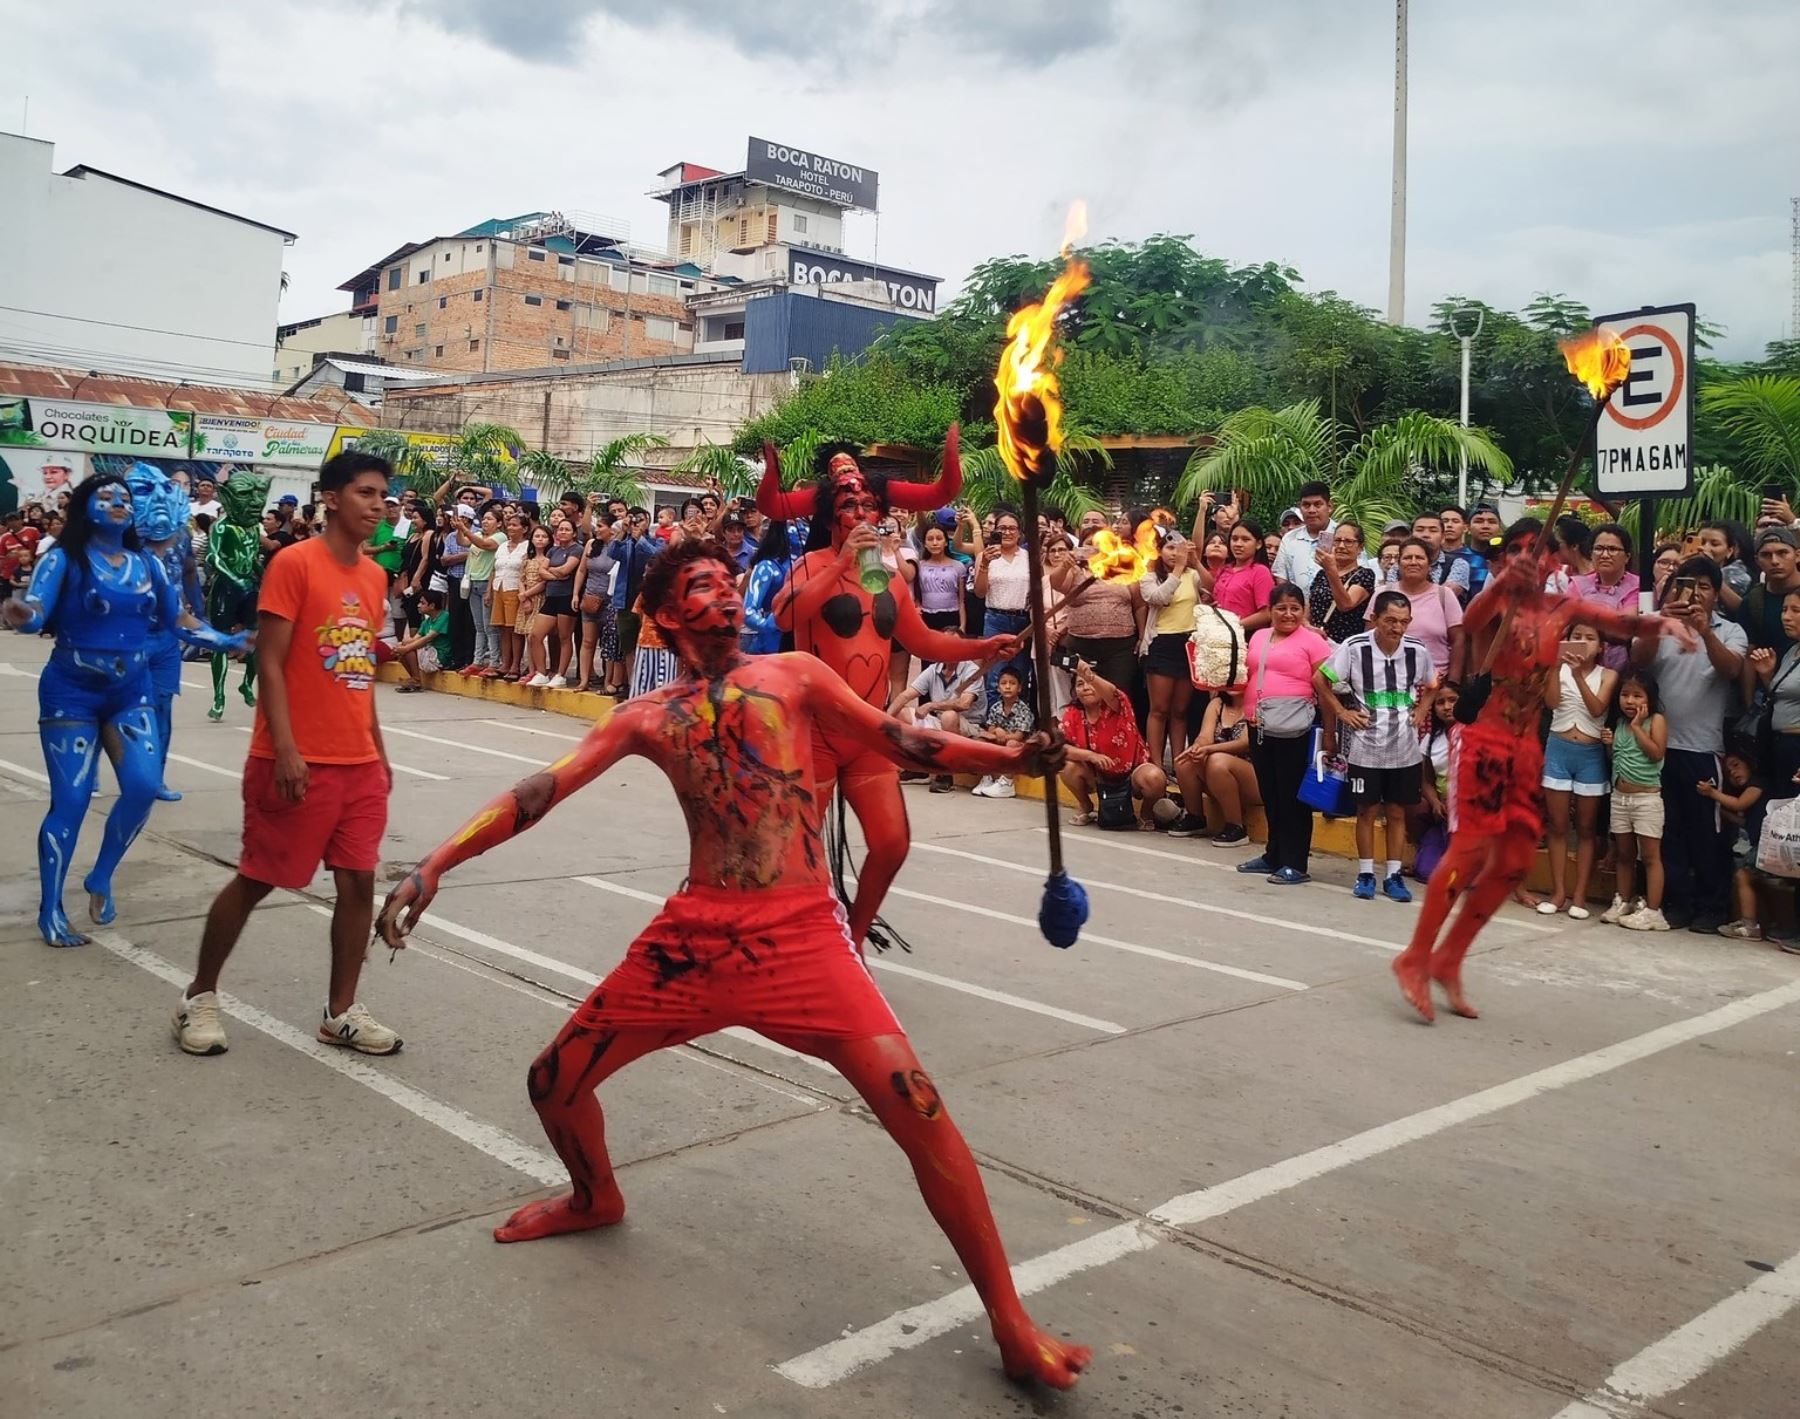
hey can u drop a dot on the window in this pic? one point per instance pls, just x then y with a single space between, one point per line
443 301
446 256
621 278
659 327
424 276
414 354
390 325
663 286
734 330
559 339
559 354
562 305
440 352
419 331
479 294
394 278
534 255
534 300
355 383
565 260
474 344
477 246
799 221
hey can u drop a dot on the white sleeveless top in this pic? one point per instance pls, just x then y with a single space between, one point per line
1572 712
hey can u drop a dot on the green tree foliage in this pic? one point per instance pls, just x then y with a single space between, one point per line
875 401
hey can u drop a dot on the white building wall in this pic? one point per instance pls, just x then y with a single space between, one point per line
342 332
100 256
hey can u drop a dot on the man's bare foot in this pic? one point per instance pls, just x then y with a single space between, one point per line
1459 1003
556 1215
1415 985
1028 1354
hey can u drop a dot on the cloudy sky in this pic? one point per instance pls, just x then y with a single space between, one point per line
1622 154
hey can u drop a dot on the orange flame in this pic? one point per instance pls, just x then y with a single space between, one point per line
1115 559
1028 413
1599 359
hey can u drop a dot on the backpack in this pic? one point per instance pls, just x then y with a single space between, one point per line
1216 650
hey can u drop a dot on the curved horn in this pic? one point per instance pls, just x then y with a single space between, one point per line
771 499
928 497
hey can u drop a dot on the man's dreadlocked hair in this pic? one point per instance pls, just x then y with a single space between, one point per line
818 534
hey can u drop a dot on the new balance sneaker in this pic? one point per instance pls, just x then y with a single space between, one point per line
1742 929
1644 919
357 1029
196 1024
1232 835
1364 890
1394 888
1003 788
1187 826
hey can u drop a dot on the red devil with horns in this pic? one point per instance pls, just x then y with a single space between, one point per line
852 629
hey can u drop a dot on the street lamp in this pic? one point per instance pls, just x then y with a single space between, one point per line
1456 318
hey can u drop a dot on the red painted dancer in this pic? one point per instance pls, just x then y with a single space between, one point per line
852 624
1496 803
756 938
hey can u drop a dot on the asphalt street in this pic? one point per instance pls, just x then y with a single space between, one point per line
1220 1149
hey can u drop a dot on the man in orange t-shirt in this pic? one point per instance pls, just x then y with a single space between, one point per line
317 780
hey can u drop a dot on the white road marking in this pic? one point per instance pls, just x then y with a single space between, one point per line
209 768
1037 870
460 744
1683 1355
903 1330
33 774
528 729
590 980
1187 860
397 768
999 997
1089 938
19 671
499 1145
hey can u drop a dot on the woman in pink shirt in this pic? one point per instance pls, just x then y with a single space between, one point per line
1437 617
1243 584
1281 703
1611 581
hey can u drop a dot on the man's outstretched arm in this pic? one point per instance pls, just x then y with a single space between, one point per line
914 747
912 632
505 817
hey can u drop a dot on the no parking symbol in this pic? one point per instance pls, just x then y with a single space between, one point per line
1644 443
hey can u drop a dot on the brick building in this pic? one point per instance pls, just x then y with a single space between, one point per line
524 293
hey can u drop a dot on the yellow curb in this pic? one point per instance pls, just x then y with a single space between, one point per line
576 704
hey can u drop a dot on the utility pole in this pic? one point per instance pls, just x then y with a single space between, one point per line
1396 313
1462 477
1794 319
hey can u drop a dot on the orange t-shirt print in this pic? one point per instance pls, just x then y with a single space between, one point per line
336 612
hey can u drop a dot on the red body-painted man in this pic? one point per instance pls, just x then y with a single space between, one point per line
835 618
756 938
1496 812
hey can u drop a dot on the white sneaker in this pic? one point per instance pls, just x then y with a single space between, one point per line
357 1029
1645 919
982 789
1003 788
556 682
1619 909
538 681
196 1024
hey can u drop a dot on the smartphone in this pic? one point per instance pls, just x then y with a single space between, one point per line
1064 660
1774 493
1681 591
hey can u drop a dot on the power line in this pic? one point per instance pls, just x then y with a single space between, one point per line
142 329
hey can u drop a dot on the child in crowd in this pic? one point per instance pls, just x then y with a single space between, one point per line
531 601
1437 746
1575 765
1008 720
1743 802
419 654
1639 738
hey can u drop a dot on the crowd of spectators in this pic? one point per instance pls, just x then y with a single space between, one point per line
1661 762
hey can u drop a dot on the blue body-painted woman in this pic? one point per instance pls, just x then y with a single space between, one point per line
105 598
160 510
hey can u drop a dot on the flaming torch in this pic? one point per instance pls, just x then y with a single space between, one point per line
1028 429
1601 361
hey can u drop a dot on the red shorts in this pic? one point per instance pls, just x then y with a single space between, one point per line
339 822
780 962
1494 778
835 760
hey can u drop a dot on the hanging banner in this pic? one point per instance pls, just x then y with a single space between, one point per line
281 443
436 447
37 475
95 428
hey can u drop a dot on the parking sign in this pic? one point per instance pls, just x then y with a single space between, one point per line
1644 443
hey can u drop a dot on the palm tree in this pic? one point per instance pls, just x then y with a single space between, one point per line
609 470
735 477
1762 415
413 466
987 482
487 454
1269 453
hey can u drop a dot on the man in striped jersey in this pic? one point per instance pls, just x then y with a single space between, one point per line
1376 690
